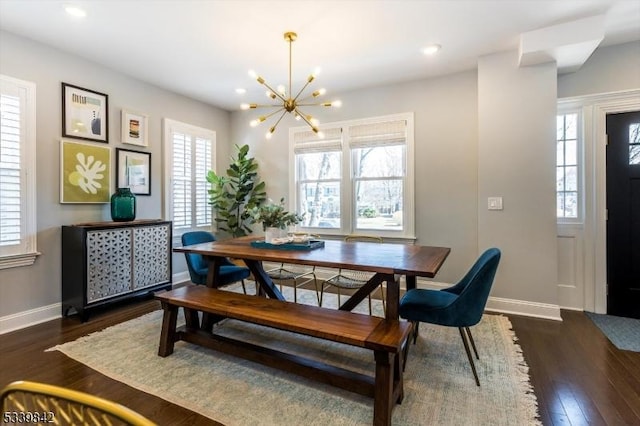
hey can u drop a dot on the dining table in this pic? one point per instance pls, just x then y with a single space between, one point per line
387 262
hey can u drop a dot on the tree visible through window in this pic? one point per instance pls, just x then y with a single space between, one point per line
358 178
567 166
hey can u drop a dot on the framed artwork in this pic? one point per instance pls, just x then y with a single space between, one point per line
85 114
135 128
85 175
133 171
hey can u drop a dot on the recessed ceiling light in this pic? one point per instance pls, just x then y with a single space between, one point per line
241 91
75 11
431 49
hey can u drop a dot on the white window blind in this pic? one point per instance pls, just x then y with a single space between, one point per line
190 154
17 173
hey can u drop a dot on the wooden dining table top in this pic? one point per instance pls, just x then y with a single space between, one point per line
385 258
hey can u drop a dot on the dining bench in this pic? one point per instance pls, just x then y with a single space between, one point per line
386 338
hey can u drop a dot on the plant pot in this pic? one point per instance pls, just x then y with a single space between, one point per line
271 233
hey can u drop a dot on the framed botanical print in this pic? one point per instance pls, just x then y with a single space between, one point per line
134 171
135 128
85 114
85 173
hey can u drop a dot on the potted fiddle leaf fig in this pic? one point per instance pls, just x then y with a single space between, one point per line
235 195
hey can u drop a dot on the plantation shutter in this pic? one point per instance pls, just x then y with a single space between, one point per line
10 179
17 173
181 181
202 161
191 157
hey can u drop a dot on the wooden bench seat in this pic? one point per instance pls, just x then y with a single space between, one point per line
385 338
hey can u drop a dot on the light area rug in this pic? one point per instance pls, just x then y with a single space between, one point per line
439 385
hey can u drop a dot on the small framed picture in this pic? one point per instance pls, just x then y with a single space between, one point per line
84 173
85 114
135 128
134 171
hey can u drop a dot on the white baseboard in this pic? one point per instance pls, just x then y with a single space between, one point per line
180 277
31 317
509 306
35 316
495 304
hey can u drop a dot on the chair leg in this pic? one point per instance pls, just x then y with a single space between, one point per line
405 351
473 344
244 289
466 348
370 308
318 294
321 295
416 325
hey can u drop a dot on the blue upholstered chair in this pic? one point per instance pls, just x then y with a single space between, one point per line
459 306
198 266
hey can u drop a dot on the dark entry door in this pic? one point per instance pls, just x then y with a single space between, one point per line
623 210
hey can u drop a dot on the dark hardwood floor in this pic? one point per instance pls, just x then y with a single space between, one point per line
579 377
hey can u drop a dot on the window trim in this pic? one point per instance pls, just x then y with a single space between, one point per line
348 225
28 179
169 126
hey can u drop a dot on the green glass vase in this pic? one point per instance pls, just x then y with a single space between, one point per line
123 205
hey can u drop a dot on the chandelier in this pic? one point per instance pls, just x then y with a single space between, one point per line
286 102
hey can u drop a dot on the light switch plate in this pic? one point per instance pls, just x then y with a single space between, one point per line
495 203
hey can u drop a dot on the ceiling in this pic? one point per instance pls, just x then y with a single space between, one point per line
203 49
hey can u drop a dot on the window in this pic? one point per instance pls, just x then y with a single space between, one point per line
357 179
567 172
17 172
634 143
189 152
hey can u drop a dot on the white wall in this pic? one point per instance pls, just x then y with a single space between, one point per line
516 161
448 178
445 113
38 287
610 75
454 162
609 69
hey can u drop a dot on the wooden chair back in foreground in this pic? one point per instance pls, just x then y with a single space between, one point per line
38 403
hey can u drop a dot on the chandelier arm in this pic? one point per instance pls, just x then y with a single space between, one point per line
316 104
267 106
301 114
264 118
302 90
274 91
278 122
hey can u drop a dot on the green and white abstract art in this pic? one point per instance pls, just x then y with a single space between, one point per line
85 173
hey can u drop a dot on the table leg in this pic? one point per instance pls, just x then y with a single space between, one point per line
263 279
214 270
393 296
411 281
363 292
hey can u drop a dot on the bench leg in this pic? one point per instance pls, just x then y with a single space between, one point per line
168 333
191 318
383 395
